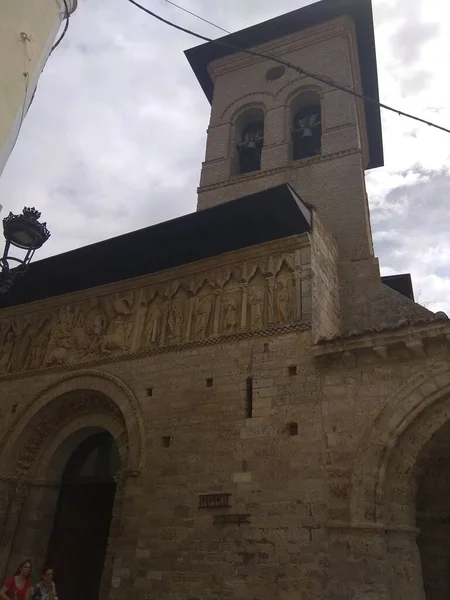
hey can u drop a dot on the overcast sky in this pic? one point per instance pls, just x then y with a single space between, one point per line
115 136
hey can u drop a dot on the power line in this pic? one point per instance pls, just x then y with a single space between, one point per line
325 80
189 12
66 27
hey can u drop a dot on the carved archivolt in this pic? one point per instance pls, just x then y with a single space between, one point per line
248 296
69 398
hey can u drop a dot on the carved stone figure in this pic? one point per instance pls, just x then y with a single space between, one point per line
203 314
257 308
230 318
62 339
283 302
6 351
40 340
22 341
175 320
153 324
82 334
123 305
117 336
98 323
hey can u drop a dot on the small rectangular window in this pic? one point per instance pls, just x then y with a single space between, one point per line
249 398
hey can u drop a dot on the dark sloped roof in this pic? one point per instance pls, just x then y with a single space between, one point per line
400 283
309 16
269 215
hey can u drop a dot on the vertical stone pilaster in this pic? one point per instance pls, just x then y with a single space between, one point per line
18 494
358 564
297 277
244 306
217 311
271 300
405 567
191 305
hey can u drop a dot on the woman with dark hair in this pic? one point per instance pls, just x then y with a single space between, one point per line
45 589
18 587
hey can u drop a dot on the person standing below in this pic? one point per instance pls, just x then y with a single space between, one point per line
18 587
45 589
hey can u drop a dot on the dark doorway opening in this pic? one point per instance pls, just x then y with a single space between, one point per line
83 516
433 515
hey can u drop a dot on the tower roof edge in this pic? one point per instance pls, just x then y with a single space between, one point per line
312 15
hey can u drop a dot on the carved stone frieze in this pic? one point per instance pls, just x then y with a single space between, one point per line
248 296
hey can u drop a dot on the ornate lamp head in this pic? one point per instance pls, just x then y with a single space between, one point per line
26 233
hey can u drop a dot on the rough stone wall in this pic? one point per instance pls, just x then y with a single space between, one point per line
325 267
240 401
295 488
240 84
366 303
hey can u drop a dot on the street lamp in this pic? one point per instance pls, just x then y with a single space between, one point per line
25 233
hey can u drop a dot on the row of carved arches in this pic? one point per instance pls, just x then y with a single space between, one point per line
304 116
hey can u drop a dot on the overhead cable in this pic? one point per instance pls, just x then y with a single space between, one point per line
322 79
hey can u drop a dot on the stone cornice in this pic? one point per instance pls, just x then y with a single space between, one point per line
412 337
293 165
341 26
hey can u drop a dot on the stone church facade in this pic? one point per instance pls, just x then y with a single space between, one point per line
276 414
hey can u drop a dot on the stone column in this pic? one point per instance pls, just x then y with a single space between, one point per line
297 297
18 494
191 307
217 311
120 567
244 306
404 564
358 563
297 286
271 300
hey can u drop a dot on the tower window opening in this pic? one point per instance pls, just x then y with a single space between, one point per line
307 132
250 147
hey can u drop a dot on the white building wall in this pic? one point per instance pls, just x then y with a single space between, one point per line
28 29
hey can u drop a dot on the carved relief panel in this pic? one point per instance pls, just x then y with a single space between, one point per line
231 306
247 296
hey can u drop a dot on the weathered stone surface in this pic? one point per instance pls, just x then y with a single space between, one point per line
279 375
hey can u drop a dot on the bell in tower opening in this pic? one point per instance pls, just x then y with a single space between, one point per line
307 132
250 147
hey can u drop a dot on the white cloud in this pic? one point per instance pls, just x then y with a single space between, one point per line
115 137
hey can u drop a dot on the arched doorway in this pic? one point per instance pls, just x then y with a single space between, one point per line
433 514
36 459
79 538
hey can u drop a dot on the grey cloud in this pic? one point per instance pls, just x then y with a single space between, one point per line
411 232
115 137
407 42
415 82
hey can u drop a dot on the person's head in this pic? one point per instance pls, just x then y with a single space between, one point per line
24 568
47 574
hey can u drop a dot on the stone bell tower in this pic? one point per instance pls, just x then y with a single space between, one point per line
272 125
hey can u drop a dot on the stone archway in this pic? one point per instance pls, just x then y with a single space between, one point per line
37 446
392 464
